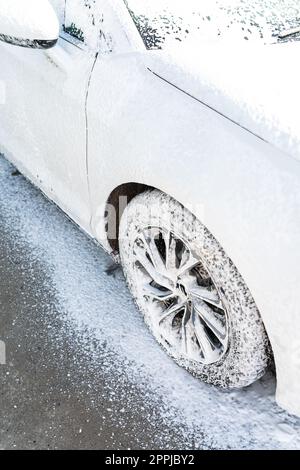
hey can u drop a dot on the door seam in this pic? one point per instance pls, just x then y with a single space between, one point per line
87 139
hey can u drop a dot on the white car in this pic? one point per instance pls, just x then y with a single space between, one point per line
169 131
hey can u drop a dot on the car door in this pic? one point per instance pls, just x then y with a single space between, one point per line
43 119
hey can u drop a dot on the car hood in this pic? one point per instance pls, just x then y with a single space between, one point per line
257 86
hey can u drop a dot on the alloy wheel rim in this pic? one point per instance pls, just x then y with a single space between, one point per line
183 306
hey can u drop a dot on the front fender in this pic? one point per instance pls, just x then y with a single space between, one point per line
243 189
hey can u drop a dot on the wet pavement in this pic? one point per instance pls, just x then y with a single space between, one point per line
82 370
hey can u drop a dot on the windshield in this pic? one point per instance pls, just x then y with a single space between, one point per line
159 21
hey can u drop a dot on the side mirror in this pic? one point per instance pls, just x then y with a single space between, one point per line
28 23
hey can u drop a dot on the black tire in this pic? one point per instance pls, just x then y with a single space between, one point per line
248 351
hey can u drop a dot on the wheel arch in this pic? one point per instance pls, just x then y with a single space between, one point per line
118 199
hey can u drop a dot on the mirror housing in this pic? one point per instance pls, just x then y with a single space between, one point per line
28 23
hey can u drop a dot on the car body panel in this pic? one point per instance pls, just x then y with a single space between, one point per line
252 75
37 82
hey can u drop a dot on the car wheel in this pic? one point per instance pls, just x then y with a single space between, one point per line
191 295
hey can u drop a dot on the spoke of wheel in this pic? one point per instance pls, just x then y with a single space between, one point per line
157 293
170 243
152 250
191 262
211 297
171 312
208 349
183 332
211 319
151 270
